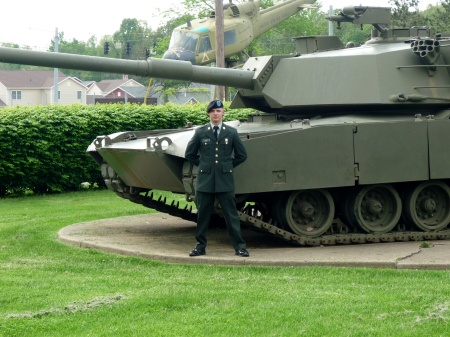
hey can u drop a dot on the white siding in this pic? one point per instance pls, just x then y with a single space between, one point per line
4 94
31 97
68 89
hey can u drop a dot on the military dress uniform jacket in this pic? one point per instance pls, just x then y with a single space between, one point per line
215 159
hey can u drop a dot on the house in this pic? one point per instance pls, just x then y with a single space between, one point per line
194 93
36 87
88 84
108 91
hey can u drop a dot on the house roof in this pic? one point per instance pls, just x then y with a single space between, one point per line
137 92
110 85
29 78
88 84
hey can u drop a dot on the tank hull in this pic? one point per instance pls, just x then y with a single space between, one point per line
330 152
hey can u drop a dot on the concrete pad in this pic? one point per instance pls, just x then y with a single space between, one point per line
165 238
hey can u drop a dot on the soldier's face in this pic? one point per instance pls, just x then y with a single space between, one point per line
216 115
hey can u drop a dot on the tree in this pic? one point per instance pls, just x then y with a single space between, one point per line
131 36
279 39
199 8
438 17
405 13
77 47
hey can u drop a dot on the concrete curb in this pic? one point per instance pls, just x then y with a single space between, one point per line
169 239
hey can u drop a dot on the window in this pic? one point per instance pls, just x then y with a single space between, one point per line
79 94
230 37
16 94
176 36
189 41
59 94
205 44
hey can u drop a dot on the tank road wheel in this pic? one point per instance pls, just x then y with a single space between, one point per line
278 210
427 206
376 208
309 212
346 211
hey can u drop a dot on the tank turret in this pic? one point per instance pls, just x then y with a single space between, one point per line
350 144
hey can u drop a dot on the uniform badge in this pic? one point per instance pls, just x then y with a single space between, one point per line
226 141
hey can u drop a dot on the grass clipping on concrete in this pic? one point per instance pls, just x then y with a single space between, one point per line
52 289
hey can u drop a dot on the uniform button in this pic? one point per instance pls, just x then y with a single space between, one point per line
217 149
217 161
217 155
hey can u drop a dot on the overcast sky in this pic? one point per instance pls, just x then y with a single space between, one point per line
33 23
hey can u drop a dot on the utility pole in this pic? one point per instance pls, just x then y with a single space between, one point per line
220 53
56 71
330 23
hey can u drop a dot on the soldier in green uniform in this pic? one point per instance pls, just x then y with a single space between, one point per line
216 149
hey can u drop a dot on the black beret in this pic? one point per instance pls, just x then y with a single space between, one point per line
216 104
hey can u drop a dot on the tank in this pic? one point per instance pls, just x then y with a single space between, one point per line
349 144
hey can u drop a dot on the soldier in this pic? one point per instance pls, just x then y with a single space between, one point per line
211 149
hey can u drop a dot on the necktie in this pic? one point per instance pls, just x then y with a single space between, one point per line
215 131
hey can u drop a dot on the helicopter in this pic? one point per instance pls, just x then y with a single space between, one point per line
195 41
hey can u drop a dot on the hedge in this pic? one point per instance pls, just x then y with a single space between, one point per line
43 148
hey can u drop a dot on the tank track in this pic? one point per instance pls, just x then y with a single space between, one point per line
341 238
161 205
338 238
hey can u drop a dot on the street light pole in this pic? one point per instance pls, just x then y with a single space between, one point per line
220 53
56 71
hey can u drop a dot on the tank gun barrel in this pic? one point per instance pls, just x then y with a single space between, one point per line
152 67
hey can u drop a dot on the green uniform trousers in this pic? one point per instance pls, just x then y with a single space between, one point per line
205 206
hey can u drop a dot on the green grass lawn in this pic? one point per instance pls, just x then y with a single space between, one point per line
48 288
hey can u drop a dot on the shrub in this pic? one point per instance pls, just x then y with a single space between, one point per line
43 148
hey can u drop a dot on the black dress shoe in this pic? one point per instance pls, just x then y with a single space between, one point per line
242 252
197 252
